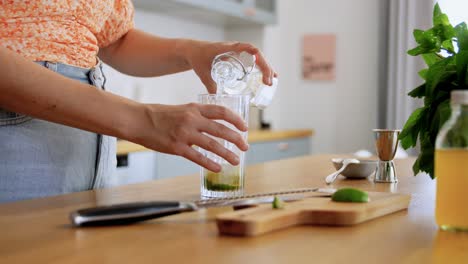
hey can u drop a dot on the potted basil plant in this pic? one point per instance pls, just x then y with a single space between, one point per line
444 49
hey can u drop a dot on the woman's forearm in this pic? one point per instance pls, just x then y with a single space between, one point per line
33 90
144 55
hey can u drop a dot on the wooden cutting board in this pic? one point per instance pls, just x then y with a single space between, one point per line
310 211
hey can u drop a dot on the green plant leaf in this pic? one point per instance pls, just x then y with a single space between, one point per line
409 134
425 160
441 20
418 92
461 27
426 157
431 58
418 35
416 51
410 140
426 163
462 68
449 33
413 119
428 42
440 116
423 73
439 37
431 41
436 13
416 168
442 95
443 113
448 45
461 33
437 73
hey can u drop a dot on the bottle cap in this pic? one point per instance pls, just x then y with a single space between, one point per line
459 97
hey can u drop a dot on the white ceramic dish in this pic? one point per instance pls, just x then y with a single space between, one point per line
362 170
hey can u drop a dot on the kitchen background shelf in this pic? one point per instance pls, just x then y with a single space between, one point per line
126 147
221 12
138 164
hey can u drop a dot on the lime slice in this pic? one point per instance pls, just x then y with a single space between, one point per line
350 195
277 203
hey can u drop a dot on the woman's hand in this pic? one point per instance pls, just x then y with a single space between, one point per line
175 129
200 54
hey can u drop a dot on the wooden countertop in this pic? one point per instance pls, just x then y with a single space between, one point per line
125 147
38 231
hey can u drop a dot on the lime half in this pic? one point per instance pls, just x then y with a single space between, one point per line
350 195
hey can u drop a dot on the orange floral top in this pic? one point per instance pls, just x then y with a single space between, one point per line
66 31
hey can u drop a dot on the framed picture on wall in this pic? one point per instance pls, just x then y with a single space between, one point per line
318 57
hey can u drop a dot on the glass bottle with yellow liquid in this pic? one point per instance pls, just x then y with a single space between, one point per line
451 167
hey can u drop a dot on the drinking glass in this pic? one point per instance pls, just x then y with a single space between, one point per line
230 181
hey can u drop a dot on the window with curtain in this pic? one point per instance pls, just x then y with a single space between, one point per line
402 70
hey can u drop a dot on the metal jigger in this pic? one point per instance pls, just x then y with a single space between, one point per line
386 143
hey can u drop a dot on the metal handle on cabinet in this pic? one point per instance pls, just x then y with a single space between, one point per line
283 146
122 160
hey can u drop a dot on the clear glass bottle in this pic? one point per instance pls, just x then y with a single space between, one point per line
236 73
451 167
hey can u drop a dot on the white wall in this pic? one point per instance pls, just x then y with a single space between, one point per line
173 89
342 112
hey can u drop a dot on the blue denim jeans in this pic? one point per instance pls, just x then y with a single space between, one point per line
39 158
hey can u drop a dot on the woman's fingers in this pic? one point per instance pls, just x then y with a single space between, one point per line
210 85
261 62
204 122
265 68
200 159
223 113
212 145
240 46
221 131
174 129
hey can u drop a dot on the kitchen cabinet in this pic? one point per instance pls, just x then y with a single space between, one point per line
276 150
147 165
135 167
221 12
171 165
